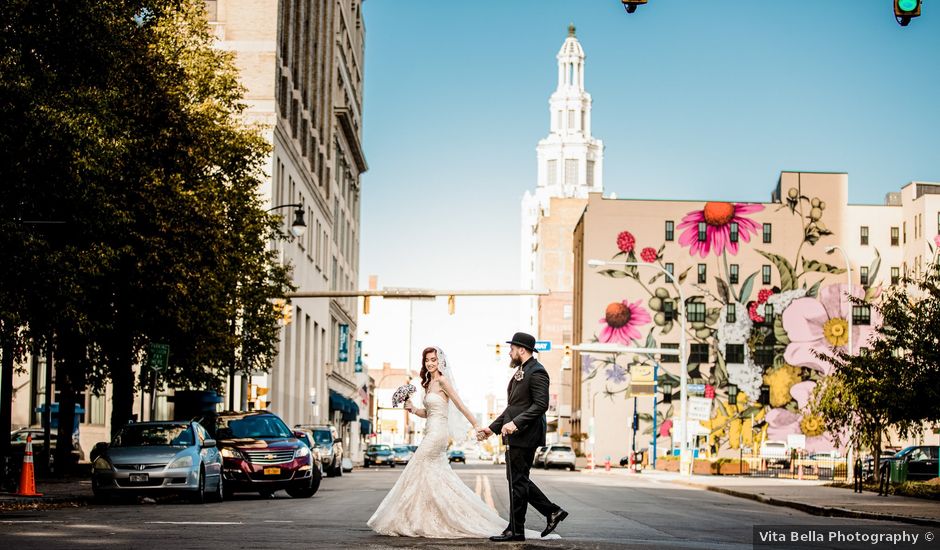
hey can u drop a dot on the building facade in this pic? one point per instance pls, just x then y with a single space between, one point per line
570 166
762 294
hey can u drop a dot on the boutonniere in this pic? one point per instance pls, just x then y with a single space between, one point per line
518 376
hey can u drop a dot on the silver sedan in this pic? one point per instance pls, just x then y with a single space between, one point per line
160 457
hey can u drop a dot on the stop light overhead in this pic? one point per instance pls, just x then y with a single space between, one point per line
905 10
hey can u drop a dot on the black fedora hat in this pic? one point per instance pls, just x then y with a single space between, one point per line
523 340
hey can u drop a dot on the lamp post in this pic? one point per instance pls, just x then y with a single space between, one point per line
849 474
685 464
299 226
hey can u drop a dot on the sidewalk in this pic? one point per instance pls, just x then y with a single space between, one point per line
69 491
812 497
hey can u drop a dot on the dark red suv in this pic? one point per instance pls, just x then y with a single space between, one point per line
261 454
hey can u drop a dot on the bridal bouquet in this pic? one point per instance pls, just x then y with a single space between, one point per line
402 394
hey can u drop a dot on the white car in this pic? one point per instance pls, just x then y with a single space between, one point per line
559 455
775 453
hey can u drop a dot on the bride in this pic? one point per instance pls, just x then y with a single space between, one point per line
429 499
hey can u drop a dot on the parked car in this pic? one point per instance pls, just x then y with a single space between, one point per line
160 457
330 445
378 455
306 436
539 460
261 454
559 456
18 445
922 461
402 454
456 455
483 455
775 453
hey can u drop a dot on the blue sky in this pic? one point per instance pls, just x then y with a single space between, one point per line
693 99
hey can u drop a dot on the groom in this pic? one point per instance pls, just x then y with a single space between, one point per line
522 426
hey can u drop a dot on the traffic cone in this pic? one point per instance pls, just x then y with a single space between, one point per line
27 486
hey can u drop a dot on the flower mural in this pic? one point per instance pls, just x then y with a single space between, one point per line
720 219
771 337
819 325
622 321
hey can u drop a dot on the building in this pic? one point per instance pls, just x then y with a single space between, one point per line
302 66
762 295
570 166
393 425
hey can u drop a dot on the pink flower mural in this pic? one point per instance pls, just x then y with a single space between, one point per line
821 325
621 320
782 422
718 218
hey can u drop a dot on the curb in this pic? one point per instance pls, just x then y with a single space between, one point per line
828 511
17 502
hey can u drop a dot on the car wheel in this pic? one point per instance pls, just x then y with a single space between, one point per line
199 497
571 467
305 490
219 494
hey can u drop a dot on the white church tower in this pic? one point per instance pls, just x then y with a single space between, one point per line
570 161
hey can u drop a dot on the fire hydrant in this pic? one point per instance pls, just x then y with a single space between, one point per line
607 464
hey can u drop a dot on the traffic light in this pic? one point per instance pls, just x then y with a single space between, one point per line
631 5
498 351
365 305
636 422
567 350
905 10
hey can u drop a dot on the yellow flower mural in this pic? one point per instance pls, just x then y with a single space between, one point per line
729 424
780 381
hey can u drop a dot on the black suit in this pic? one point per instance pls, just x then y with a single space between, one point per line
526 406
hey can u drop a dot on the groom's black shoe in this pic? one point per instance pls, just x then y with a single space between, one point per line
508 537
553 520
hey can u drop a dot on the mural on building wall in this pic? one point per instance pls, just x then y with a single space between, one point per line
743 335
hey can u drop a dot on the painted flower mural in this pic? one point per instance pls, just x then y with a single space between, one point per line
819 325
622 321
724 225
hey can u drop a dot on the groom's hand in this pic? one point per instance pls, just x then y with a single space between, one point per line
483 433
509 428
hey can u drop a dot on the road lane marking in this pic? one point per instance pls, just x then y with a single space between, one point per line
278 521
29 521
195 522
478 486
488 492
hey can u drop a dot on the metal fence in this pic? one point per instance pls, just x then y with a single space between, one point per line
825 469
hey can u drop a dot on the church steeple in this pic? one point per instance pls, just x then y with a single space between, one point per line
570 159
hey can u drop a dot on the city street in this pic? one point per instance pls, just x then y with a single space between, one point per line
607 510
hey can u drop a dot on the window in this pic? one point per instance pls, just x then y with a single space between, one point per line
702 232
733 274
895 275
670 230
864 235
668 312
571 171
768 314
702 274
734 353
696 312
552 172
734 232
671 268
764 354
212 9
768 232
938 223
566 311
699 353
904 227
669 358
861 315
590 173
765 274
731 315
863 274
894 236
571 120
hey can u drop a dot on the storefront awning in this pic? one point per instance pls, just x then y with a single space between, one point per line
344 405
365 426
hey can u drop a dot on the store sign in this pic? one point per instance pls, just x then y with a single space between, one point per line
358 355
343 343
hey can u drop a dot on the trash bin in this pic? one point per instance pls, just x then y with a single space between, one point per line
898 472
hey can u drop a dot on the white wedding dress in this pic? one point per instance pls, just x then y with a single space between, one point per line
429 499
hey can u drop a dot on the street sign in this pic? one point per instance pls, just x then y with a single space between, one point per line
696 388
158 356
796 441
543 345
700 408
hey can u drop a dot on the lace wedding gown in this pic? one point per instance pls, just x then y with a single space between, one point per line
429 499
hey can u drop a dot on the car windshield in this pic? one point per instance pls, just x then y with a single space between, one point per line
262 426
323 437
174 435
379 448
563 449
402 450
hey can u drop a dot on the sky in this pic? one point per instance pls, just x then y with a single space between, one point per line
693 100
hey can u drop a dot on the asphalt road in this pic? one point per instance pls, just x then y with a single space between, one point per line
607 511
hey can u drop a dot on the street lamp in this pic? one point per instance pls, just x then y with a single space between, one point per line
685 464
299 226
849 473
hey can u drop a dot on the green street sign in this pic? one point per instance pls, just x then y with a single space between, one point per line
158 356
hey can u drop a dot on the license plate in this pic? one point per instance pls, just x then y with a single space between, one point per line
272 471
379 461
139 478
